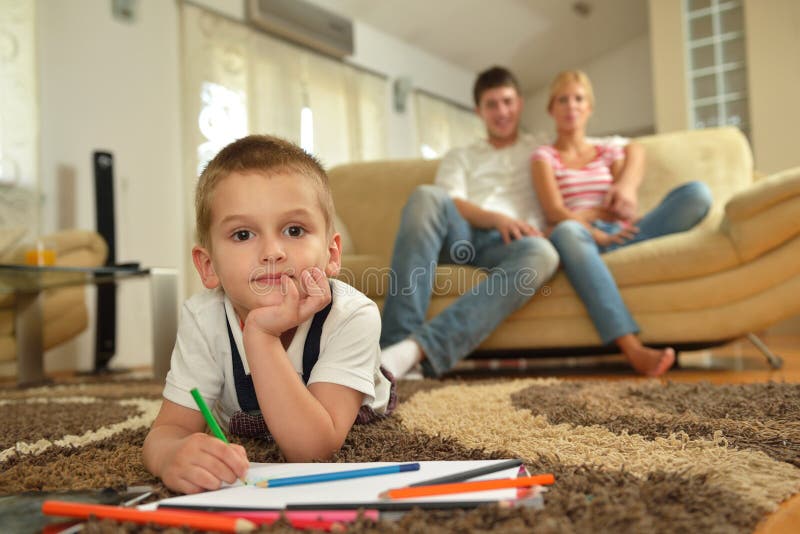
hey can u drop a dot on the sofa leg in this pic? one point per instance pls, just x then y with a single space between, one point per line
775 361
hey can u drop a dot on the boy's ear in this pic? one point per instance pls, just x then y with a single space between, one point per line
334 256
202 262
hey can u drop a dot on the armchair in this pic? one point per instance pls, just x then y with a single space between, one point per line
64 309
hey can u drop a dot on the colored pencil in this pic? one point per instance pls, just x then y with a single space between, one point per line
466 475
196 520
464 487
338 475
212 423
255 514
327 520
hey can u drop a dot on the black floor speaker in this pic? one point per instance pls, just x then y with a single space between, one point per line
106 332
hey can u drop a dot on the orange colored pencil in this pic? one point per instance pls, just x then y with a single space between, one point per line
464 487
198 520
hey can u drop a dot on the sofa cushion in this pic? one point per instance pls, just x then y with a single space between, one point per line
719 157
348 247
369 198
675 257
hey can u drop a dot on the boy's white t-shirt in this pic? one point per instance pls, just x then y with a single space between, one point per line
349 353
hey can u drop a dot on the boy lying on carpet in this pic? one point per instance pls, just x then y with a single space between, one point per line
273 342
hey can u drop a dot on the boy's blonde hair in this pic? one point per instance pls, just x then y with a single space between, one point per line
262 153
570 76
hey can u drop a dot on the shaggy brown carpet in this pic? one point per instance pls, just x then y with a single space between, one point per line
628 456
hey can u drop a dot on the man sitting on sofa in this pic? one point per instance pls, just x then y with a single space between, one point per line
482 211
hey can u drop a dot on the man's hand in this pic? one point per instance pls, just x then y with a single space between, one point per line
511 229
621 202
287 309
201 462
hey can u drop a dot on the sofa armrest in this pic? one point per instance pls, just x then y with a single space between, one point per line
764 193
764 216
78 248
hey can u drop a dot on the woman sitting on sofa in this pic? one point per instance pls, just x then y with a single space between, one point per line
591 209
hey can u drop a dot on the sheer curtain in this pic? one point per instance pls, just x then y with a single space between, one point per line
19 181
442 125
237 80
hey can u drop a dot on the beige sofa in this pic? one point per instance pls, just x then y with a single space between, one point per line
64 309
737 272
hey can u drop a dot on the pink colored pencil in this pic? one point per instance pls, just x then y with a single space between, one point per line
304 519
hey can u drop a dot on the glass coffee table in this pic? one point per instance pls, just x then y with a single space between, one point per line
28 284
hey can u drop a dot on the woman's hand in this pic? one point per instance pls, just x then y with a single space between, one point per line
605 239
621 201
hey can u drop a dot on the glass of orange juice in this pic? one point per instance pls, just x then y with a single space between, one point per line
41 255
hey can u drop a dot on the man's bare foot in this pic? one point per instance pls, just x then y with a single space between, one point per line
651 362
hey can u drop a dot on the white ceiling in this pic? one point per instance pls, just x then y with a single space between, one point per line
534 38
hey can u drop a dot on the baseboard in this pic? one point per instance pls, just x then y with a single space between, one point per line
8 369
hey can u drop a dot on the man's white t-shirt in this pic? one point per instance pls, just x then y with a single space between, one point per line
497 179
349 353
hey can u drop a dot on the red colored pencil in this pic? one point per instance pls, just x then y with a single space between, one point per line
198 520
464 487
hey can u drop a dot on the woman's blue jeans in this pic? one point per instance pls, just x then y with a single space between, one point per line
432 231
680 210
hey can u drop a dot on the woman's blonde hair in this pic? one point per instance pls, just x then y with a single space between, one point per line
566 77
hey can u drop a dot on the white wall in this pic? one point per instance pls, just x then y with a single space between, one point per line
623 90
109 85
773 64
394 58
106 84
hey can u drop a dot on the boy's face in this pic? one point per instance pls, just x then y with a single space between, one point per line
499 109
263 226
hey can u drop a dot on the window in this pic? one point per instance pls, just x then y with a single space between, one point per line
717 64
442 125
19 182
242 81
237 80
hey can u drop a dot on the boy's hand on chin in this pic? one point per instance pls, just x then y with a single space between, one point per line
288 308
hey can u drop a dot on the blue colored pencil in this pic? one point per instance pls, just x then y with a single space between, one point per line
338 475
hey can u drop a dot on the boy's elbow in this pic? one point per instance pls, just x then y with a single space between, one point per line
320 450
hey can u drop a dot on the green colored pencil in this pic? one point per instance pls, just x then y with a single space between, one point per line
212 423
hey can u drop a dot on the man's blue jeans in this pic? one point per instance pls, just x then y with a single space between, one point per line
681 209
432 231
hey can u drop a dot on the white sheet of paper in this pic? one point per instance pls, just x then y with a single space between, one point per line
354 490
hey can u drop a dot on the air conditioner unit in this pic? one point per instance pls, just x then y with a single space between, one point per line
303 23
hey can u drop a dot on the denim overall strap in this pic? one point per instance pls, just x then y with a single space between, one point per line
311 347
245 391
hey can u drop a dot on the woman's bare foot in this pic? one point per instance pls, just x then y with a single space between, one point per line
652 362
647 361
